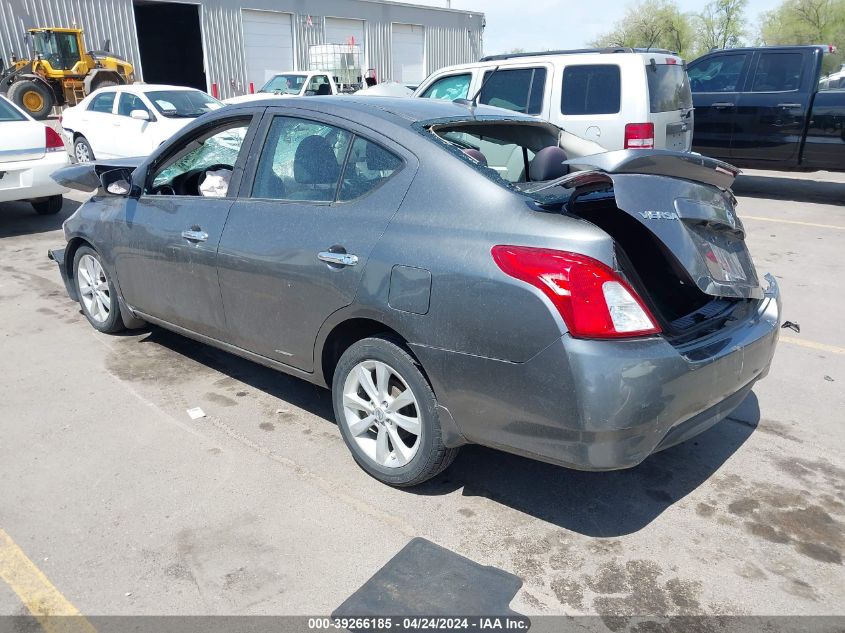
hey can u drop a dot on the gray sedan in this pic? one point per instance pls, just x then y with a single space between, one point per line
452 273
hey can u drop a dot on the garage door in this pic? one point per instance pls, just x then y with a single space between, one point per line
344 31
268 44
408 53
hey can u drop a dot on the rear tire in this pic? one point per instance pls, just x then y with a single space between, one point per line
399 449
33 97
97 294
103 83
82 152
49 206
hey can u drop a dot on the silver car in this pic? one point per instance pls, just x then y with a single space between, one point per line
454 274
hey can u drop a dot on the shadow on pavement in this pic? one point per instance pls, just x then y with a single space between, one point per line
594 504
786 188
19 218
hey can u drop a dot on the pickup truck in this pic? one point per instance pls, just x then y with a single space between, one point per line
762 108
293 84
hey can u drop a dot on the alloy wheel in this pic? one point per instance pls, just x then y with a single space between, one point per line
381 413
93 288
82 153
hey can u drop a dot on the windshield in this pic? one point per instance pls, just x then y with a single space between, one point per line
180 104
285 84
60 50
668 88
8 113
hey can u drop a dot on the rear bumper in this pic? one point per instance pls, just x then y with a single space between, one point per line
30 179
605 405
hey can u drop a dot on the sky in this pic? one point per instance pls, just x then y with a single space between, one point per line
561 24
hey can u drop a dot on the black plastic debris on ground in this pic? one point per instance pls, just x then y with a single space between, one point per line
424 579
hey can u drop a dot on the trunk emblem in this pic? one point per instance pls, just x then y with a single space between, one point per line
658 215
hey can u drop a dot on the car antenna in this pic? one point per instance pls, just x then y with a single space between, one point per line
472 103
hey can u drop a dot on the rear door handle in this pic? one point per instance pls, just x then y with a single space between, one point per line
790 105
195 236
723 104
339 259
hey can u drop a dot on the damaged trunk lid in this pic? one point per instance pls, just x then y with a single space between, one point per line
672 217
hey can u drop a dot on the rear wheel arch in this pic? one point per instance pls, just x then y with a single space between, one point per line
348 332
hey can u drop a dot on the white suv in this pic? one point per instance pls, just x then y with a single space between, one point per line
619 98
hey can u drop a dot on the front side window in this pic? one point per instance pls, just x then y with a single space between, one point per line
285 84
719 74
301 160
203 164
182 104
591 89
520 89
129 102
319 85
778 72
449 88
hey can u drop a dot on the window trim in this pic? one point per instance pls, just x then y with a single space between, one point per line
247 185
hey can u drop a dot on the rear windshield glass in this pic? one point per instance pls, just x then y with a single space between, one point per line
591 89
668 88
183 103
8 113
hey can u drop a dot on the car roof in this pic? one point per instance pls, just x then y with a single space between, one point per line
143 88
410 109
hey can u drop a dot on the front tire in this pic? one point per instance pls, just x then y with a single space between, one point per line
33 97
387 413
48 206
97 294
82 152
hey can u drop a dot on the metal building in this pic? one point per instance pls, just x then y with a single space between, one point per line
232 43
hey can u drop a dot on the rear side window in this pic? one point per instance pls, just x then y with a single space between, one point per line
520 89
368 166
8 113
103 102
591 89
778 72
668 88
449 88
719 74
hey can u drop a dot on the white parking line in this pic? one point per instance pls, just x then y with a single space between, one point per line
821 226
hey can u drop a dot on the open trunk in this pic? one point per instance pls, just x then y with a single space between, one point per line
678 238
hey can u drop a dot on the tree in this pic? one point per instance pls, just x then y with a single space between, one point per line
721 24
651 24
806 22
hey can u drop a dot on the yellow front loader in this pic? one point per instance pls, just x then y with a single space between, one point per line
59 71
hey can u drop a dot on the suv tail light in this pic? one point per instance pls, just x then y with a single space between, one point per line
593 300
639 136
54 141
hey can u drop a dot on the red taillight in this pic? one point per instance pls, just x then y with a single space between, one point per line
593 300
54 141
639 136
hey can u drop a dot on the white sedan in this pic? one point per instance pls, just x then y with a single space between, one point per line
124 121
29 152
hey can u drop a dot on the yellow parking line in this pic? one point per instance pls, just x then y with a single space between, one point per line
823 347
38 594
820 226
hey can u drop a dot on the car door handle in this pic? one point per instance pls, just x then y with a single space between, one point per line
339 259
790 105
723 104
195 236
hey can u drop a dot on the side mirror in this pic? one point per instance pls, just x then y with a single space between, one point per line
140 115
117 182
